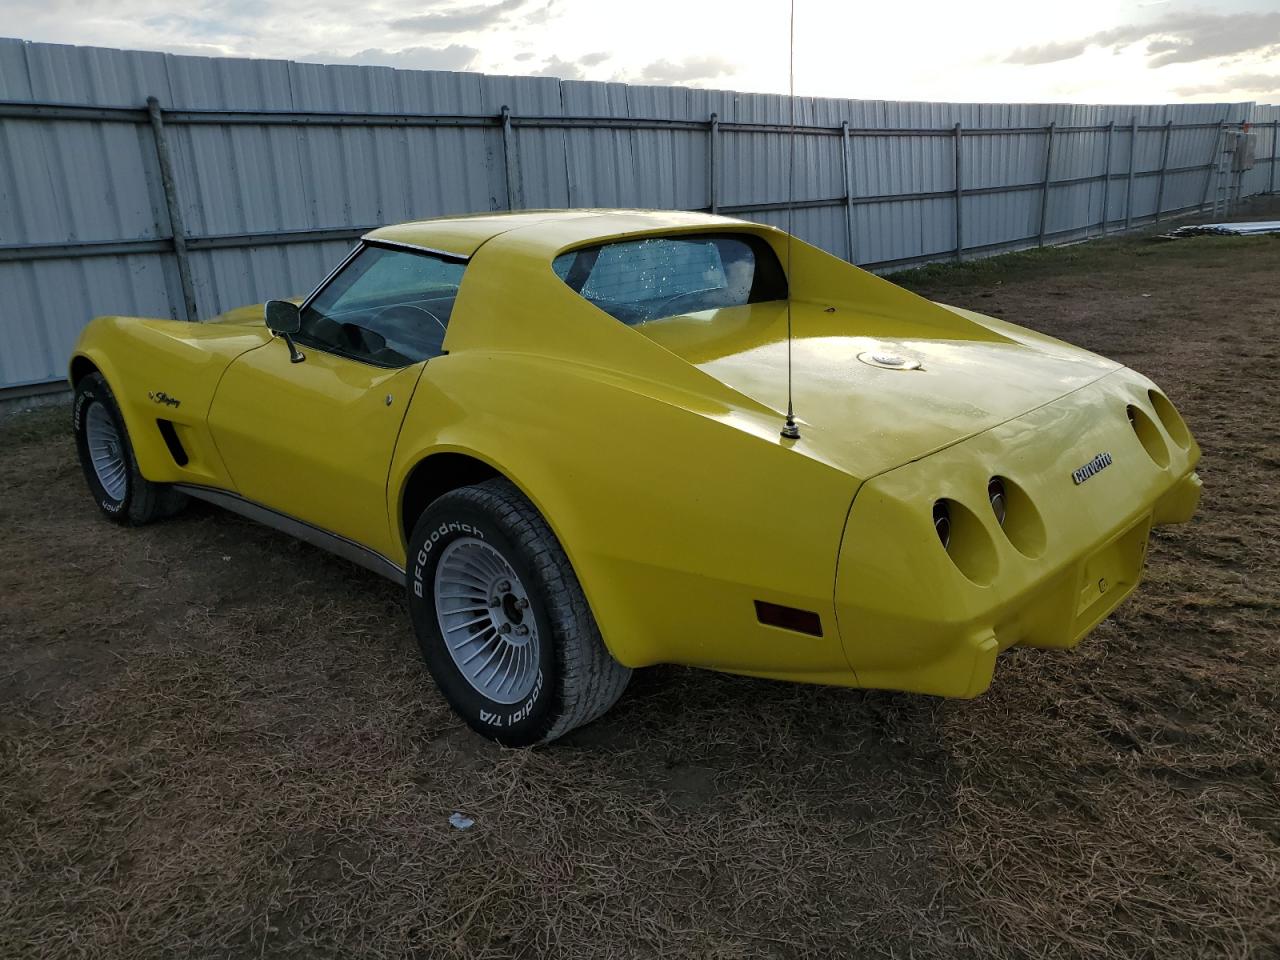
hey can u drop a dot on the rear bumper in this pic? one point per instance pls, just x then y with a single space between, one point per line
915 616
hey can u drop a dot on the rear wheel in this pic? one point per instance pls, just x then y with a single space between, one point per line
106 456
502 621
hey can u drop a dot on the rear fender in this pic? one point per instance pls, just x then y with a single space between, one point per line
676 514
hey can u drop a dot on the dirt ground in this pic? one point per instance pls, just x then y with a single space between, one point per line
217 742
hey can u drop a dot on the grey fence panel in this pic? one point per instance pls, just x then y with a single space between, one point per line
254 274
673 166
277 166
540 161
756 164
1265 126
80 181
75 182
237 179
44 307
15 78
95 75
411 171
29 347
601 163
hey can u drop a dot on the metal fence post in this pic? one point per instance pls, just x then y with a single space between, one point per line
1044 189
179 234
713 162
1128 193
1106 178
959 138
1164 165
509 158
846 155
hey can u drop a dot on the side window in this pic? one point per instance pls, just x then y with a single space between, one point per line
648 279
386 307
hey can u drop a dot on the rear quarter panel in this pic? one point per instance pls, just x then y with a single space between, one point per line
676 511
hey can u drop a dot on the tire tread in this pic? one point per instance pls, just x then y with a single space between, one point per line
148 501
591 679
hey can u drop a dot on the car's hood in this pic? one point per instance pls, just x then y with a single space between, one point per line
973 373
251 315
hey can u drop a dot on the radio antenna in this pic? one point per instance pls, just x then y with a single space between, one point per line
789 429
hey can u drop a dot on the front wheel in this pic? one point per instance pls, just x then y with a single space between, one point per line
106 456
503 623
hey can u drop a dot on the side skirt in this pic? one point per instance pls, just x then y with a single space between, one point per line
308 533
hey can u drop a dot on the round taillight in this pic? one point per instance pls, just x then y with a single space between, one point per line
1168 414
1148 435
999 501
942 522
966 541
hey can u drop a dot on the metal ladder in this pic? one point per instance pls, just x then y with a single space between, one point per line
1223 173
1226 183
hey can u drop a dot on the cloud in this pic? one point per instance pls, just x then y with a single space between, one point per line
539 16
690 70
1253 86
457 19
1048 53
567 69
1175 38
564 69
456 56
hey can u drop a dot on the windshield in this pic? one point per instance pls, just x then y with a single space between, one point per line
654 277
387 307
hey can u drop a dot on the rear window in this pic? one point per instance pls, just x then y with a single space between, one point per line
655 277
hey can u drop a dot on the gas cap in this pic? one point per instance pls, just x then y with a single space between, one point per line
887 360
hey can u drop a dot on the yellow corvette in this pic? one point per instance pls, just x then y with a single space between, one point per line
563 432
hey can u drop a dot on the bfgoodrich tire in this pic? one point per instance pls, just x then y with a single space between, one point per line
502 621
106 456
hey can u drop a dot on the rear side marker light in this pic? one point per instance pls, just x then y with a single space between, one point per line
788 618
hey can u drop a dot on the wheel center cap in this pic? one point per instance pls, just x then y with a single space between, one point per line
511 608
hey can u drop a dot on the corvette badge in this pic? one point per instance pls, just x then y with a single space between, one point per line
1096 465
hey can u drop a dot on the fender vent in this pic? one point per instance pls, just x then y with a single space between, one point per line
171 441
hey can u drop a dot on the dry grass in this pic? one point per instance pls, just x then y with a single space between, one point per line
217 742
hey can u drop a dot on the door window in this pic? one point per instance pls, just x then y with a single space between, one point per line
386 307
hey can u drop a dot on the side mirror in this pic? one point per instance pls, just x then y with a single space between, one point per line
285 319
282 317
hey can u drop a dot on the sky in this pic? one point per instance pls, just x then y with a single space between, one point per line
1085 51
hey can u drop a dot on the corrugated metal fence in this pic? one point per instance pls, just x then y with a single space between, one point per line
247 179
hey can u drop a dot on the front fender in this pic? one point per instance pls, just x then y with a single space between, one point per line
167 369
